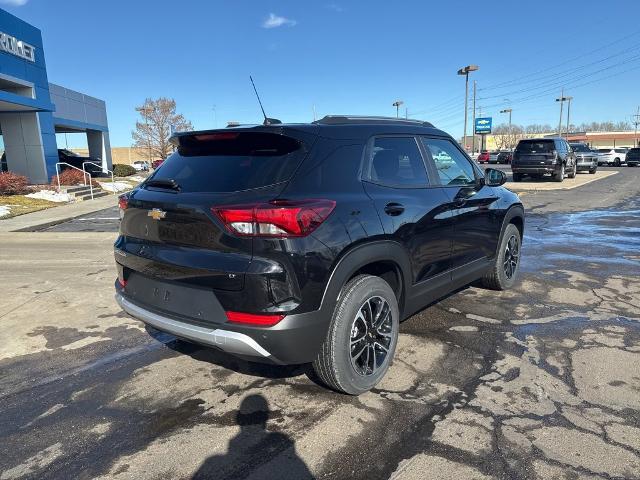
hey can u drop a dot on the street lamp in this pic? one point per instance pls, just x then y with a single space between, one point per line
508 110
397 104
465 71
568 99
563 99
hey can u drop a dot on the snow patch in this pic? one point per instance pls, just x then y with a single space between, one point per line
4 210
115 186
137 178
51 195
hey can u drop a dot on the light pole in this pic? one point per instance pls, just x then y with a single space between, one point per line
568 112
508 110
473 129
397 104
465 71
562 99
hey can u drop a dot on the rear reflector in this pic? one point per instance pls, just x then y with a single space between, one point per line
254 319
278 218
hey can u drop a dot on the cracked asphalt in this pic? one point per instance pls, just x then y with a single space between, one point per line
539 382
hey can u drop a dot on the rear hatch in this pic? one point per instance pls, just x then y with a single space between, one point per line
169 234
534 153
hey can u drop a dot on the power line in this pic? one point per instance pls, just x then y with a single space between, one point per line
553 67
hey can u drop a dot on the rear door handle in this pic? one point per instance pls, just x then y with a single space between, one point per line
393 209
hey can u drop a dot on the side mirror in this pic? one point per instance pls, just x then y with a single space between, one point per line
494 178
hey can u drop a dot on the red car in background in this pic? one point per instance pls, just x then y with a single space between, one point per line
483 157
156 163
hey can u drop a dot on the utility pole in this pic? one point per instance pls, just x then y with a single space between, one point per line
473 142
508 110
465 71
636 122
568 112
562 99
397 104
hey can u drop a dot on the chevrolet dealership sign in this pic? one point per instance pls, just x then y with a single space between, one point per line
483 125
17 47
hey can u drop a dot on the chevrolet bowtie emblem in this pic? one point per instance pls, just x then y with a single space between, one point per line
156 214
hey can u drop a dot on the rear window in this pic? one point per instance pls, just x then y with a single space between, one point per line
231 161
536 146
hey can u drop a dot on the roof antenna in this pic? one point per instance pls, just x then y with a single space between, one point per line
267 120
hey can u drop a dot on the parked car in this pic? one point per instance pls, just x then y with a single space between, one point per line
141 165
633 157
484 157
541 156
493 156
504 157
611 156
72 158
309 243
587 159
156 163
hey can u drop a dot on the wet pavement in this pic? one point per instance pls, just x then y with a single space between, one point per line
542 381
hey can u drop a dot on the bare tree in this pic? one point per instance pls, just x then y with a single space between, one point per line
158 120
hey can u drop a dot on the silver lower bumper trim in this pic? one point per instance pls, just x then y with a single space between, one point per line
231 342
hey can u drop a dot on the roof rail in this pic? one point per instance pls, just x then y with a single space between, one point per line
360 119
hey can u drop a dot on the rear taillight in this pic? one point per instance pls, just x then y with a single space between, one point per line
263 320
278 218
123 203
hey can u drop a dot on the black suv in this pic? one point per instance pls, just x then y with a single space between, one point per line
310 243
633 157
539 156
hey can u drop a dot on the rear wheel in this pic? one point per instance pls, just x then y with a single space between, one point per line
559 175
616 162
362 336
504 271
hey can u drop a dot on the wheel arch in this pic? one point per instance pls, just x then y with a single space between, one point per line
514 215
384 258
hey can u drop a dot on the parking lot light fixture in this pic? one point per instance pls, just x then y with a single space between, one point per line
397 104
465 71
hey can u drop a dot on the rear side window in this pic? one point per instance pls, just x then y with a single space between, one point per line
620 150
231 161
604 150
536 146
397 162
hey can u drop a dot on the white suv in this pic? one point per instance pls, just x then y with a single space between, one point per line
611 156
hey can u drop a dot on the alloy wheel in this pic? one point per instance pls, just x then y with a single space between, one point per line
511 257
371 336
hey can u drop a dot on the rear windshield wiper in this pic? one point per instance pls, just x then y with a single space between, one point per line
168 183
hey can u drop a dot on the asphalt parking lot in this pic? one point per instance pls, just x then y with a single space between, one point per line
542 381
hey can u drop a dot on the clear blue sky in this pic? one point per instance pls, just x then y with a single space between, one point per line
342 57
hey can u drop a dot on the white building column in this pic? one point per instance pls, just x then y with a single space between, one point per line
99 147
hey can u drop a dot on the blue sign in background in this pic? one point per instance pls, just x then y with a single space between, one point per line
483 125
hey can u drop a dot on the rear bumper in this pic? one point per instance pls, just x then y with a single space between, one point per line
296 339
536 170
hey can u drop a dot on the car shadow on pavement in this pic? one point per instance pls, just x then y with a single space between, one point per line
255 451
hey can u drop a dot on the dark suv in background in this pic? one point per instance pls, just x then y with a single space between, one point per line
310 243
537 157
633 157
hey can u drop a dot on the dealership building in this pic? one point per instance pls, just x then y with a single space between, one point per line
32 110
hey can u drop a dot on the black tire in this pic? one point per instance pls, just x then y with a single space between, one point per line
334 365
517 177
497 278
572 173
559 176
593 171
616 162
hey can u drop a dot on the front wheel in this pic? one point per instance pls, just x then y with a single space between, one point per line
517 177
504 271
362 337
573 172
592 171
616 162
